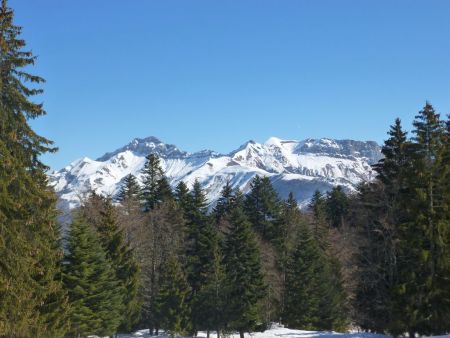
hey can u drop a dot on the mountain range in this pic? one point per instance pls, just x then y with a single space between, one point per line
298 166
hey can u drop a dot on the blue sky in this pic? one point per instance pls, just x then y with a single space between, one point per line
214 74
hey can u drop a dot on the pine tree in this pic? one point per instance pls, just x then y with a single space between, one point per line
200 249
431 220
95 294
152 174
302 283
130 192
244 276
288 223
171 302
381 207
262 206
32 301
211 301
318 206
182 196
336 207
164 191
224 202
123 262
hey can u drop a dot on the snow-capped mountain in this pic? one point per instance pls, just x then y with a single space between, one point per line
298 166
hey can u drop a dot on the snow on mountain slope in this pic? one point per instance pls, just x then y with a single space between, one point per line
298 166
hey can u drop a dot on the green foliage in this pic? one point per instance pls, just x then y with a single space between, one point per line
336 207
123 262
171 302
314 298
224 203
156 188
130 191
95 294
404 261
32 301
243 271
262 206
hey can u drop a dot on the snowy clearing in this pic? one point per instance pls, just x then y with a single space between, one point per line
280 332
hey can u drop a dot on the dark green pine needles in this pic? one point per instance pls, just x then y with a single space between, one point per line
94 292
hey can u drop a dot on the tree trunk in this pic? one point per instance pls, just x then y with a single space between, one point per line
411 334
218 333
241 334
207 333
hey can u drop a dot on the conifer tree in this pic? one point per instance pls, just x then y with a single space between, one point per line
314 294
336 207
123 262
288 223
95 294
164 191
32 301
431 222
200 249
262 206
130 192
224 202
211 301
171 302
152 174
182 196
243 271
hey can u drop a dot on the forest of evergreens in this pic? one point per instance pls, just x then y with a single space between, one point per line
160 258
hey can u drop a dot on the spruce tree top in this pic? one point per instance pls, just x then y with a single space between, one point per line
15 106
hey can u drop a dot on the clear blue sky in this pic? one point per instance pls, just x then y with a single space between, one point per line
214 74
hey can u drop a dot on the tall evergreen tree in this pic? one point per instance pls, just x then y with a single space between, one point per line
95 294
200 249
336 206
224 202
431 220
171 302
244 276
130 192
152 174
182 196
32 301
123 262
211 300
262 206
314 296
289 220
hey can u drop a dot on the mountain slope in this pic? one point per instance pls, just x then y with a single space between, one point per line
298 166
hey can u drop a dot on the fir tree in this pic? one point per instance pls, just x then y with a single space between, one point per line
224 202
130 192
182 196
211 301
123 262
171 302
431 220
200 249
152 174
288 223
95 294
244 276
336 207
262 206
32 301
164 191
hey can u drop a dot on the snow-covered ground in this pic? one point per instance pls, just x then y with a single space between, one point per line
281 332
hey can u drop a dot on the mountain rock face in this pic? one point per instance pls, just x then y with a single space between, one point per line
298 166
